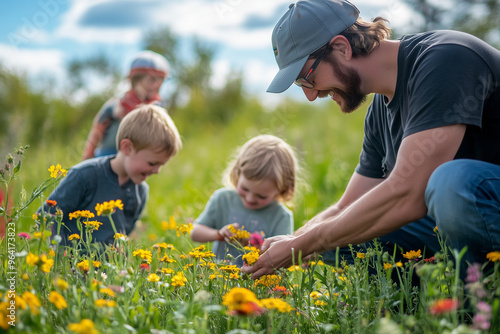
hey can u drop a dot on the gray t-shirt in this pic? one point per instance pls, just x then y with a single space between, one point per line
225 207
444 77
91 182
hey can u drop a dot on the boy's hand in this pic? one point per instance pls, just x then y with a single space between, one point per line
225 234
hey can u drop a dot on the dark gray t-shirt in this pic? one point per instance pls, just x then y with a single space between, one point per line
225 207
444 77
93 181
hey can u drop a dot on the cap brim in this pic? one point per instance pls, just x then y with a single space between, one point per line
286 76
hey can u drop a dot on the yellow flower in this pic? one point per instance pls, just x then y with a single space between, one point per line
360 255
56 171
153 278
32 301
167 259
85 326
120 236
493 256
81 214
92 225
399 264
108 208
108 292
184 229
319 303
276 304
296 268
143 254
231 268
44 263
74 237
412 254
242 301
251 257
85 265
61 284
387 266
100 302
167 271
58 300
179 279
315 295
268 280
32 259
238 233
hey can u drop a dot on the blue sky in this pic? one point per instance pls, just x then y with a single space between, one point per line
38 37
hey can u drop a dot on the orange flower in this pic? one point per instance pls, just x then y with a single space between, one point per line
51 202
442 306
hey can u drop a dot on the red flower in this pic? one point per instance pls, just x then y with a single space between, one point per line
256 240
51 202
144 266
442 306
280 291
248 308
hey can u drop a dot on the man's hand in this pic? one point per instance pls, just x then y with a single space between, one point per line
278 252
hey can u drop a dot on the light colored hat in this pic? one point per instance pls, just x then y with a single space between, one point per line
149 62
304 28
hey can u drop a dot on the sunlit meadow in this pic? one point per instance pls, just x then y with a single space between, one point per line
171 285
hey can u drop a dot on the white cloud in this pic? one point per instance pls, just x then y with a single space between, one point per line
33 62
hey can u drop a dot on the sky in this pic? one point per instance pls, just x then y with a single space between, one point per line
39 37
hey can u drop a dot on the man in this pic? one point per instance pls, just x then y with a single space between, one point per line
431 151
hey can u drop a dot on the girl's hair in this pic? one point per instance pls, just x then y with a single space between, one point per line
265 157
364 36
150 127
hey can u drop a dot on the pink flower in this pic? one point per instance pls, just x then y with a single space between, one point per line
256 240
473 273
24 235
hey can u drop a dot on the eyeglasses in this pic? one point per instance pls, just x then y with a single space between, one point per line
304 81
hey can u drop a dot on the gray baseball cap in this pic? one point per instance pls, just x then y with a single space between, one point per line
303 29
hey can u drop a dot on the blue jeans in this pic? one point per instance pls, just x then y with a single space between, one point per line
463 201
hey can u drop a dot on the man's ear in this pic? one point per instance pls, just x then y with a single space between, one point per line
340 44
126 146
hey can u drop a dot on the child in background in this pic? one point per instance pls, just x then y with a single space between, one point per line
147 138
147 73
262 177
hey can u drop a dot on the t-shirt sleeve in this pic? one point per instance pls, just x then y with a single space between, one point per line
448 86
210 215
372 155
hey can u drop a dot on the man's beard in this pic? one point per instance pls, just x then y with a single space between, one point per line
352 96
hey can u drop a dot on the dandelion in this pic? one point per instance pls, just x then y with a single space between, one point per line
51 203
81 214
56 171
153 278
108 208
411 255
73 237
276 304
493 256
58 300
442 306
242 301
179 279
86 326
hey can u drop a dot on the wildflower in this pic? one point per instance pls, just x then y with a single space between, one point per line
295 268
474 273
51 203
442 306
85 265
435 230
160 246
320 303
251 257
42 262
430 260
86 326
399 264
146 255
231 268
179 279
153 278
107 291
242 301
58 300
40 235
268 280
256 239
25 277
280 291
315 295
107 208
276 304
238 233
184 229
411 255
81 214
61 284
170 225
92 225
387 266
144 267
167 271
32 301
56 171
167 259
24 235
482 318
360 255
493 256
73 237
